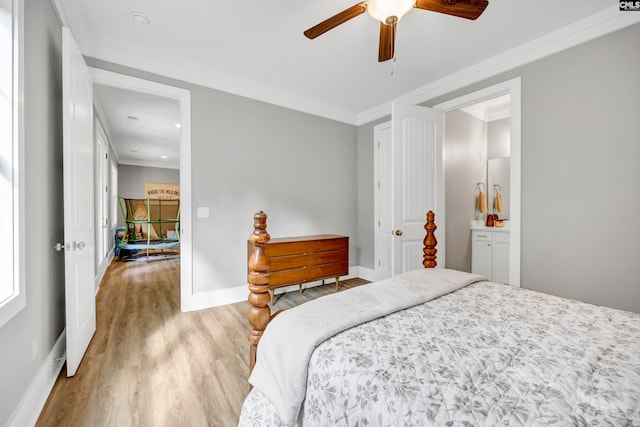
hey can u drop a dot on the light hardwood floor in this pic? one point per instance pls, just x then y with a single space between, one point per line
149 364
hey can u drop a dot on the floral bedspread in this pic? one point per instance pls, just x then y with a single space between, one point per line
485 355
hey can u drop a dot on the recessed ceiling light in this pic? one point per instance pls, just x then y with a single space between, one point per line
139 18
178 125
163 157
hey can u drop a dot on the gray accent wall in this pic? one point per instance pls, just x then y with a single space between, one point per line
465 151
499 138
580 174
131 181
42 319
248 156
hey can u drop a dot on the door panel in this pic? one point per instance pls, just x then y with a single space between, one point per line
417 180
79 226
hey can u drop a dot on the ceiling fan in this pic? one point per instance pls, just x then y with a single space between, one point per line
389 12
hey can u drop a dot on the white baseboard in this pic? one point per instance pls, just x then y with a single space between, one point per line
102 268
32 402
365 273
239 293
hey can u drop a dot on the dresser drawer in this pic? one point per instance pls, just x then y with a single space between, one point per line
306 274
296 261
306 246
482 236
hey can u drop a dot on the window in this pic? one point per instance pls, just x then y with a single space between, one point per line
12 291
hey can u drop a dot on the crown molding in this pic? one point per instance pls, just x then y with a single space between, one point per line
227 84
63 17
589 28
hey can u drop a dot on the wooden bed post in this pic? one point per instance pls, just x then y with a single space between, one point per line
430 242
259 264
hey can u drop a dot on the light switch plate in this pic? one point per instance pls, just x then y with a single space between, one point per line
203 212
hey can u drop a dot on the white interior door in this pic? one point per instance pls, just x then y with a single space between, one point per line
102 194
418 183
79 226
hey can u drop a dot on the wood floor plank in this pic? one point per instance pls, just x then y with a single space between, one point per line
149 364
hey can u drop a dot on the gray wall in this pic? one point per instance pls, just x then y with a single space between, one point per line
580 200
43 316
465 151
248 156
499 138
131 181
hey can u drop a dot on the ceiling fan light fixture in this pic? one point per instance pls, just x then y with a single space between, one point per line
381 10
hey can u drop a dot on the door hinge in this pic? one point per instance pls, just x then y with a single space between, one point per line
378 143
106 156
378 223
378 184
379 263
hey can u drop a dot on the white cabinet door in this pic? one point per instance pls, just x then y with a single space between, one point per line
500 265
490 254
481 258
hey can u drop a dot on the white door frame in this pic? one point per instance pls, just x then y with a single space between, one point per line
382 226
183 96
512 87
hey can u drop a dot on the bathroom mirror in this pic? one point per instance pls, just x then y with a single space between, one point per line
498 181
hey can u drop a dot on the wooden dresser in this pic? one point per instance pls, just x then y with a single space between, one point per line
298 260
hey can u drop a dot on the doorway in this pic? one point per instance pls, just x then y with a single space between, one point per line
466 163
382 132
167 159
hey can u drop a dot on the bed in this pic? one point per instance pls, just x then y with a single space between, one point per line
439 347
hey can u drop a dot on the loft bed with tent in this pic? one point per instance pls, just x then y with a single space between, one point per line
151 229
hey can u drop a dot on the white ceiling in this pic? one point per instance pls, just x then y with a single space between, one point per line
257 48
491 109
142 126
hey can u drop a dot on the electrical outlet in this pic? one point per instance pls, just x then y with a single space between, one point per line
34 348
203 212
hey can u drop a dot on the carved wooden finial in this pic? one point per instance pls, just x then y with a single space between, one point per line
258 277
430 242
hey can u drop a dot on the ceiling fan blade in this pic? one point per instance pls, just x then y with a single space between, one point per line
468 9
336 20
386 49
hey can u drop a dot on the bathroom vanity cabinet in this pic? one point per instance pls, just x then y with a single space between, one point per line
490 253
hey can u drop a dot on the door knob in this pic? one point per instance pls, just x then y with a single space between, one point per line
398 232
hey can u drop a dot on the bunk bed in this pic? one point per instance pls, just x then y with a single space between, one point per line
151 229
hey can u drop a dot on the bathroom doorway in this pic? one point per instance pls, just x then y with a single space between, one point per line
482 135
